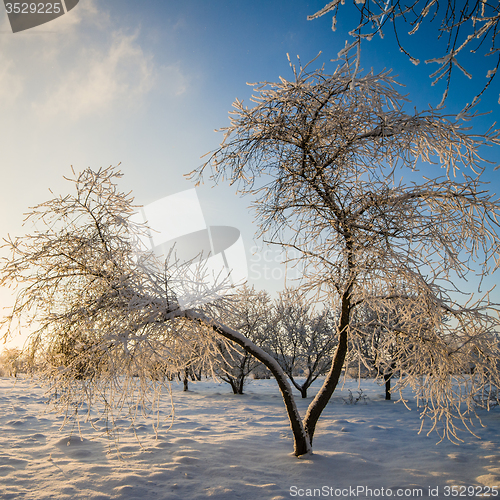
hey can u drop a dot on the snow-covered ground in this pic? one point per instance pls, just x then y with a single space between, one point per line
230 447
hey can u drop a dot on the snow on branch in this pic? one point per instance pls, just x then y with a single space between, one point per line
463 29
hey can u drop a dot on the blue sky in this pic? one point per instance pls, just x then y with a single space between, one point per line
146 83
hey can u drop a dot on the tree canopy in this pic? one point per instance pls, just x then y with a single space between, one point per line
323 158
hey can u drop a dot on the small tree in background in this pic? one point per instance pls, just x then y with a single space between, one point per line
250 314
302 340
12 362
371 350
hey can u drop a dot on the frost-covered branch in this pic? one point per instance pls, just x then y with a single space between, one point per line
466 27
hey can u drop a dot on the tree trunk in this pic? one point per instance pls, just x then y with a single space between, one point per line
325 393
241 382
185 380
301 388
301 442
232 383
387 379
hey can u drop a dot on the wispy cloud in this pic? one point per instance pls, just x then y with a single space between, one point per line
11 83
79 65
99 78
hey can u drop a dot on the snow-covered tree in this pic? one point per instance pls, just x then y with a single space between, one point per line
106 330
323 157
301 339
371 352
330 148
468 27
250 313
12 362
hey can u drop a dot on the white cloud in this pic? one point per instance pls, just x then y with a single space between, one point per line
79 65
11 84
11 81
99 78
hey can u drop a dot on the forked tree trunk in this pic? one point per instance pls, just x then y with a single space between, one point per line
301 442
319 403
236 385
303 432
301 388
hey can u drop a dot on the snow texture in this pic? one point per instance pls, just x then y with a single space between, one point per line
228 447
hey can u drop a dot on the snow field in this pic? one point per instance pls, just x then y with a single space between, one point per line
227 447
